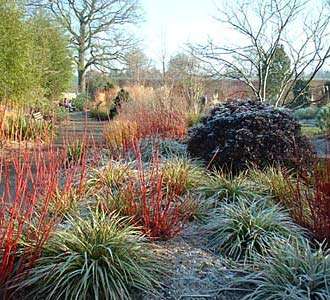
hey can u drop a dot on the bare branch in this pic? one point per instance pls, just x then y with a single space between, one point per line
265 26
96 28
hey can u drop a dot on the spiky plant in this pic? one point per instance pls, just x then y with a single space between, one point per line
221 186
75 152
113 176
277 182
284 188
292 272
195 206
181 175
65 202
101 257
244 228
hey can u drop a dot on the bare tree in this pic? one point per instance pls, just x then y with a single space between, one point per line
185 73
96 28
262 27
163 55
137 66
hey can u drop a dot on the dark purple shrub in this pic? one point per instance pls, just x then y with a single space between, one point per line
236 134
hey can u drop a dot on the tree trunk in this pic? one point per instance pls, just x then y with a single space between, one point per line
81 80
81 60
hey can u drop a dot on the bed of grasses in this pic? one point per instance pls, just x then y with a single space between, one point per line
75 226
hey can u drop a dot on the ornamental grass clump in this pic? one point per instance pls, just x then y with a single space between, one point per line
155 120
285 187
181 175
278 182
244 228
101 257
120 135
167 148
219 186
22 127
138 120
111 178
154 196
75 153
292 272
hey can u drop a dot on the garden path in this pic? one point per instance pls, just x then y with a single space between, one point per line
79 126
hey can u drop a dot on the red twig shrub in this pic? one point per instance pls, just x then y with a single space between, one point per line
320 209
161 122
313 198
140 120
152 203
29 183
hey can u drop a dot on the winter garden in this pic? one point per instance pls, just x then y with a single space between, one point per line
205 178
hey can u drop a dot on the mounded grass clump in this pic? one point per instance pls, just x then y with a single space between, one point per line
220 186
101 257
181 175
292 273
121 134
244 228
112 177
283 187
279 183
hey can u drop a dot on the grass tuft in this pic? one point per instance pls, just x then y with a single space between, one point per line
111 178
276 182
293 272
244 228
166 148
220 186
181 175
101 257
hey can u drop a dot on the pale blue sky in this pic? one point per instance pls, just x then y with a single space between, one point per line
183 21
180 20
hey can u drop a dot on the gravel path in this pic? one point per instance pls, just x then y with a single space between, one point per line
195 272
